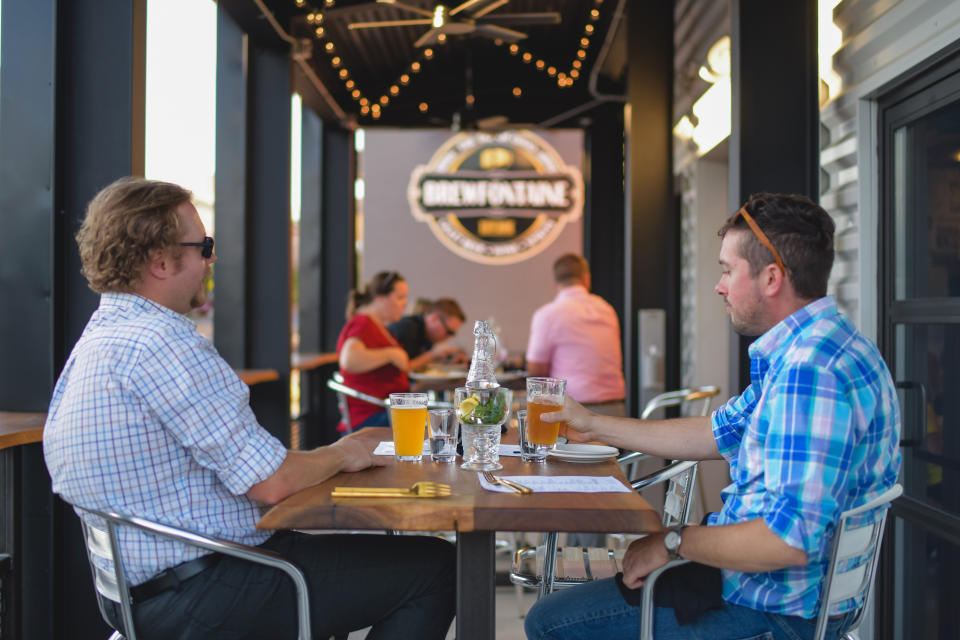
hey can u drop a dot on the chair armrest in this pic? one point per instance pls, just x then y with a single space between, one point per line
661 475
359 395
226 547
646 610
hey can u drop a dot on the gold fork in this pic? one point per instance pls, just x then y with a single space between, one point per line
423 489
516 486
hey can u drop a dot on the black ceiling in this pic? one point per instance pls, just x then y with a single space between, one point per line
375 61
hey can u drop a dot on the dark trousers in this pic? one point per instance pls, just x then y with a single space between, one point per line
402 586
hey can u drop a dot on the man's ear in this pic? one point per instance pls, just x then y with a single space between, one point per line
773 279
160 264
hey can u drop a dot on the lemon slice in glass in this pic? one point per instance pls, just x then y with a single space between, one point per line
467 405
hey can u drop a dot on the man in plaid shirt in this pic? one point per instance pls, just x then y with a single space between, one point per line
148 420
815 434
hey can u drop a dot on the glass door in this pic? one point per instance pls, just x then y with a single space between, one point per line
920 324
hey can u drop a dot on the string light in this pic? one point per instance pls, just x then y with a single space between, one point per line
404 79
300 3
335 61
364 102
394 90
551 71
364 110
428 53
319 32
576 64
541 64
442 38
350 83
594 14
423 107
415 67
527 56
514 49
355 93
329 47
517 91
581 54
344 74
588 29
384 100
584 42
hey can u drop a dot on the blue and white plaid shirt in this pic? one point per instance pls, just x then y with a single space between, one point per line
148 420
816 433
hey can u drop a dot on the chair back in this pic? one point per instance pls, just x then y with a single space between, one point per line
681 477
343 391
103 549
853 562
694 401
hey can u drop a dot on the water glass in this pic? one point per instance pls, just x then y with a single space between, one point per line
481 412
408 417
443 435
544 395
530 451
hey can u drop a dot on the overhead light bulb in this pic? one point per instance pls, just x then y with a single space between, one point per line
527 56
335 61
438 16
517 91
415 67
329 47
442 38
423 107
552 71
394 90
581 54
514 49
404 79
588 29
584 42
428 53
349 84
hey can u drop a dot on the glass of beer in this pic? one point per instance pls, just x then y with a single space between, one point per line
408 417
544 395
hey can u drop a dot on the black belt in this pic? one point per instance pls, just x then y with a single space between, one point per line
172 577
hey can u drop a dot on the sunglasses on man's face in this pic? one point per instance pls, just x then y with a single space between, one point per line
206 250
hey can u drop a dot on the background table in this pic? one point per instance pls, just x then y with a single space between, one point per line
475 514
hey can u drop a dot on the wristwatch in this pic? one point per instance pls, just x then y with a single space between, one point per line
672 541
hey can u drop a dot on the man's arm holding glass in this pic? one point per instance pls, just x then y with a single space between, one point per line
676 439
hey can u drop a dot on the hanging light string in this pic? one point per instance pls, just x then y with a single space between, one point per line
373 108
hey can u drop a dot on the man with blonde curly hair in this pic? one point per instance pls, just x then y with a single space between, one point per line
148 420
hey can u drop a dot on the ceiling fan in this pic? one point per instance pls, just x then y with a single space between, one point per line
470 17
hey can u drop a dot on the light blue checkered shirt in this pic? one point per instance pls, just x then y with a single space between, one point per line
148 420
816 433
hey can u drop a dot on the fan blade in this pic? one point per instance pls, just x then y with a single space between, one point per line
496 4
406 7
478 4
387 23
430 37
502 33
518 19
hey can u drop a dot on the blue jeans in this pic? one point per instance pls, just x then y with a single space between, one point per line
597 610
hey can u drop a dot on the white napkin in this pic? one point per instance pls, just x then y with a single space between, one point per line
385 448
561 484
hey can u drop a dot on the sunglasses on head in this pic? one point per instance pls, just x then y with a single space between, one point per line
206 250
758 232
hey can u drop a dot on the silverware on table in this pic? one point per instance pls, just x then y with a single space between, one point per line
424 489
516 486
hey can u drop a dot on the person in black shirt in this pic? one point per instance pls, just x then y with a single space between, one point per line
423 336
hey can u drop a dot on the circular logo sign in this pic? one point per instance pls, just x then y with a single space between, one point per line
496 198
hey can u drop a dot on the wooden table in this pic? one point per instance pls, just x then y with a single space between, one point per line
475 514
18 428
256 376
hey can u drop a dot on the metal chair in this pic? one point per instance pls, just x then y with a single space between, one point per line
343 391
600 563
103 551
694 401
851 573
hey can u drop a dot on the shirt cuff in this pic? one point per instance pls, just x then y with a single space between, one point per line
726 435
259 459
785 522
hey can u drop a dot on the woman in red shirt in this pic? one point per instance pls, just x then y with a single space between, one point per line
371 360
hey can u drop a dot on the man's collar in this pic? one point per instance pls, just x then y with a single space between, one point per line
780 336
572 290
121 300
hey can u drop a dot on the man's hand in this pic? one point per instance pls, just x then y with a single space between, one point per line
443 350
643 556
354 454
576 417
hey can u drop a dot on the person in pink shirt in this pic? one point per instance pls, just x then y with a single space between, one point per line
577 337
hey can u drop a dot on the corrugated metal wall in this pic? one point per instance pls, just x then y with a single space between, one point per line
881 40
